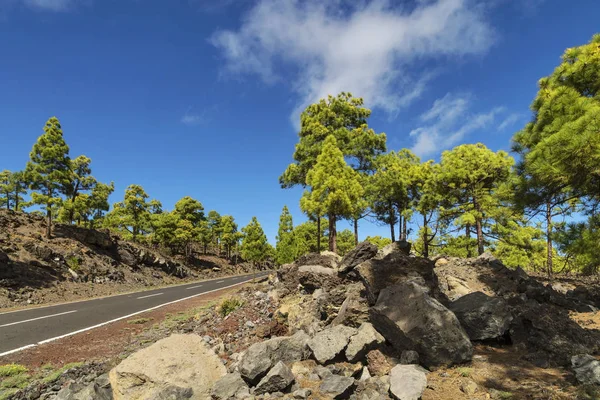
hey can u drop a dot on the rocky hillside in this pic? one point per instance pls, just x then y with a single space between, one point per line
374 325
78 263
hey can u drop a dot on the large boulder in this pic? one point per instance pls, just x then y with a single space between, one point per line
390 268
329 343
482 316
410 319
325 259
230 386
354 309
314 277
586 368
401 246
179 364
363 252
89 237
407 382
279 378
262 356
365 340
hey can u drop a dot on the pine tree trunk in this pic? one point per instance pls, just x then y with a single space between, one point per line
332 234
356 231
404 233
393 234
468 236
318 234
400 237
478 227
48 222
549 239
425 238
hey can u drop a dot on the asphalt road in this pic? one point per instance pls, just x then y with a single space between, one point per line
27 328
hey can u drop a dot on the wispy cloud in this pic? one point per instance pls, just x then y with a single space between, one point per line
510 121
51 5
447 122
370 49
192 118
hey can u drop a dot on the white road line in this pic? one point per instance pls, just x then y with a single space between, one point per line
117 319
35 319
220 281
193 287
150 295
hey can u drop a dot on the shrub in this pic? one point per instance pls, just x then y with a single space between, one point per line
73 263
229 305
12 369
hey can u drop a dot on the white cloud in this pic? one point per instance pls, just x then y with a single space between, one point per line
193 118
509 121
50 5
447 122
371 49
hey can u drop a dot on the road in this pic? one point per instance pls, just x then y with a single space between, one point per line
28 328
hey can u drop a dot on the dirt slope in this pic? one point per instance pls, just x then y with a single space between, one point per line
80 263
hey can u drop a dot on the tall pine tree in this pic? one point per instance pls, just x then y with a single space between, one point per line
255 247
48 169
335 188
285 250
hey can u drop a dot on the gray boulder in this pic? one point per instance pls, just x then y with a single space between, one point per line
412 320
409 357
407 382
390 268
262 356
482 316
586 368
324 259
279 378
363 252
336 386
354 309
328 343
229 386
365 340
99 390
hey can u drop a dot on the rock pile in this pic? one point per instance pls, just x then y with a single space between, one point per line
369 326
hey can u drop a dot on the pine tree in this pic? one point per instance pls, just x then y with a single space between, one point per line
344 117
255 247
131 216
80 181
469 176
5 188
229 235
190 210
285 250
18 185
214 224
561 146
335 188
392 189
48 169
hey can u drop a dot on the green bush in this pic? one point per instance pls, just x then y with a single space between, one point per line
16 381
73 263
12 369
229 305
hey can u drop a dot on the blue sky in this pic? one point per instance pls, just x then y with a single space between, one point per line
202 97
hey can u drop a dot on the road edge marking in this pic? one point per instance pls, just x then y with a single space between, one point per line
116 319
